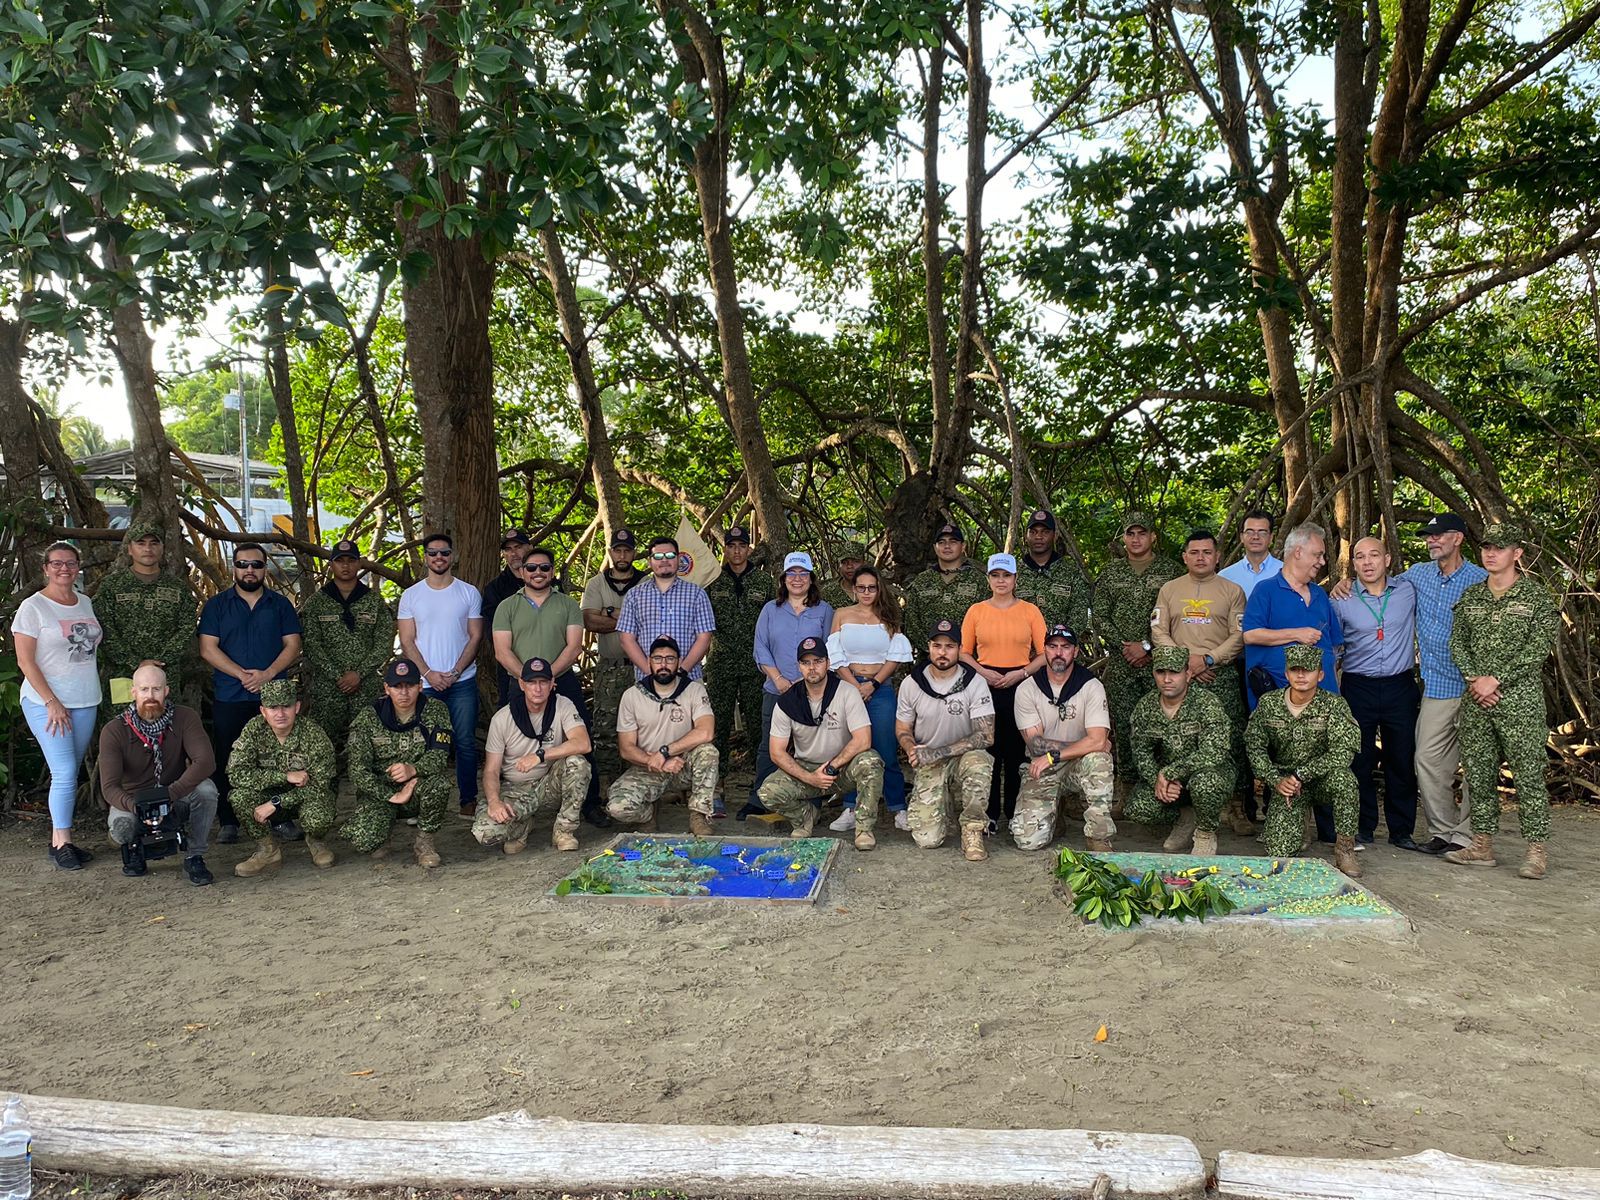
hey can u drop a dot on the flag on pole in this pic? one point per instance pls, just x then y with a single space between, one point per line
696 563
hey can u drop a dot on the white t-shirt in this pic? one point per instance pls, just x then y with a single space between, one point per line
938 721
65 639
1069 722
507 740
818 743
441 615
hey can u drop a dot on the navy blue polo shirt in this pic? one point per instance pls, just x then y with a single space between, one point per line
252 637
1273 604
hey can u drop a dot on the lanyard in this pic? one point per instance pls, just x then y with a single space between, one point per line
1379 612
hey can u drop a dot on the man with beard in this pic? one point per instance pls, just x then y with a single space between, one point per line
282 766
153 744
146 614
249 635
1066 725
603 597
349 635
1050 580
399 755
1181 751
665 731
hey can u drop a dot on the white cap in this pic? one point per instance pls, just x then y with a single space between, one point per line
1003 562
797 558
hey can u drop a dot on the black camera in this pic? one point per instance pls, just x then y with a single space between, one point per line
160 829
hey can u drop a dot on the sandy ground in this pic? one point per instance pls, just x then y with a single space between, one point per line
922 990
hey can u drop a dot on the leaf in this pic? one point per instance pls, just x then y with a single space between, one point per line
1101 1034
361 1074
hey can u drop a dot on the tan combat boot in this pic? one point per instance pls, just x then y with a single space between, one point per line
972 847
864 839
1241 825
381 853
1178 840
700 825
1205 844
321 856
1479 854
427 856
806 823
268 856
649 824
1533 866
1097 845
1344 855
561 839
518 845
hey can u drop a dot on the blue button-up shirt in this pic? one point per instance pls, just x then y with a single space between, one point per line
1276 605
682 612
1247 576
1437 596
779 632
251 636
1359 612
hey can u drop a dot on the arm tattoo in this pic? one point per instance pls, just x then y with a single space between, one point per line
981 737
1039 745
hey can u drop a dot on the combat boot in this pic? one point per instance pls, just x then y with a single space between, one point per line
561 839
649 824
321 856
1205 844
381 852
1178 840
972 847
1533 866
865 840
268 856
1097 845
700 825
1241 825
1344 855
1479 854
427 856
807 823
518 844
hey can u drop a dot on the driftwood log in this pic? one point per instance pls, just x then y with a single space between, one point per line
513 1150
1432 1174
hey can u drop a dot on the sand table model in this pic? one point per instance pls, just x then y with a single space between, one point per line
652 867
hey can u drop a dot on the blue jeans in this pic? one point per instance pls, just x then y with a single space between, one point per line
63 754
461 698
880 711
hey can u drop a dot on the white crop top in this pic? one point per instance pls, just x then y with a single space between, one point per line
868 645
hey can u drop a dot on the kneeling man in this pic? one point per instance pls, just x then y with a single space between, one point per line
665 730
281 767
533 762
944 720
1066 726
399 755
1180 740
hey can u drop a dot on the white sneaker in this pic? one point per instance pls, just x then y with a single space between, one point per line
902 822
844 822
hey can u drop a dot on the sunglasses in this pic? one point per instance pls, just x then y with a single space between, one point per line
541 568
437 553
253 565
663 557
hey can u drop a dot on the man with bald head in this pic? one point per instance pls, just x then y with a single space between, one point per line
1379 619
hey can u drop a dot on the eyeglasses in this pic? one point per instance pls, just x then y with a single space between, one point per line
663 557
866 587
437 553
659 661
541 568
62 564
253 565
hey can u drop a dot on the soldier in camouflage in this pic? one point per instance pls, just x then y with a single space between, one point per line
1124 597
399 755
603 597
1051 580
665 731
282 767
348 633
840 590
1504 629
731 676
1066 727
1180 744
147 614
945 590
1301 741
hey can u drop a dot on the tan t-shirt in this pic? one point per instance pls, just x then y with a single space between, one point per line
599 595
820 742
1069 722
945 718
1203 617
657 724
506 739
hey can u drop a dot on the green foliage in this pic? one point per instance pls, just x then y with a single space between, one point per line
587 880
1102 893
196 420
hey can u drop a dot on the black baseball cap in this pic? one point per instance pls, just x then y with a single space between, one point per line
624 537
515 537
1041 516
344 549
949 530
811 647
1060 633
737 533
1445 522
402 672
536 668
664 642
946 629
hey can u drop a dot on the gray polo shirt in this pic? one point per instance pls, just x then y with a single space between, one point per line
1361 614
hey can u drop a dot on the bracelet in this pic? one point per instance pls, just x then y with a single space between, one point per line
1049 758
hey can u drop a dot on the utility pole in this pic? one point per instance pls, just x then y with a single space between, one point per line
231 401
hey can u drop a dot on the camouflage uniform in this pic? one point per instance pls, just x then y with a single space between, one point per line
1190 748
562 788
731 674
147 619
1060 591
952 791
613 675
634 795
373 748
1508 637
331 649
1123 601
833 589
1319 746
1091 776
787 796
259 762
933 596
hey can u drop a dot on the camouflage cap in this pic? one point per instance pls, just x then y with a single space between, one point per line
1138 520
1299 657
851 550
1169 658
142 527
1504 534
279 693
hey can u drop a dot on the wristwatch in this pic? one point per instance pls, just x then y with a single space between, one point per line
1210 662
1147 646
666 752
540 752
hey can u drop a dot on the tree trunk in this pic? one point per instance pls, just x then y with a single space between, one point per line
304 523
19 440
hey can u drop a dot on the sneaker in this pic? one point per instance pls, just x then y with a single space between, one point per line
195 868
719 810
902 821
83 856
844 822
65 859
411 820
1360 846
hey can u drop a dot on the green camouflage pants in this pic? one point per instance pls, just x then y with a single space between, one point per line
1208 791
1034 824
562 789
787 796
956 788
1285 829
730 685
1489 737
634 795
333 711
1124 688
612 677
369 826
311 807
1225 687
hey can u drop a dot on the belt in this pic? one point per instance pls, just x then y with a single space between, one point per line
1377 678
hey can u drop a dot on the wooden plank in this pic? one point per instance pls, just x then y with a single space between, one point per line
514 1150
1431 1175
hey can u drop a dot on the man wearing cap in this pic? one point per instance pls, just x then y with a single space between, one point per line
1204 614
1066 727
1301 740
533 762
1124 595
944 722
282 767
945 590
399 755
349 636
1181 750
1051 580
513 548
669 605
146 614
1258 562
732 677
665 731
821 744
840 591
1504 629
603 597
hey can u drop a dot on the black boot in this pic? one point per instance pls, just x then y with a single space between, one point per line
597 816
133 863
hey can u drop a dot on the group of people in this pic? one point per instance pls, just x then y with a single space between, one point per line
1220 685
